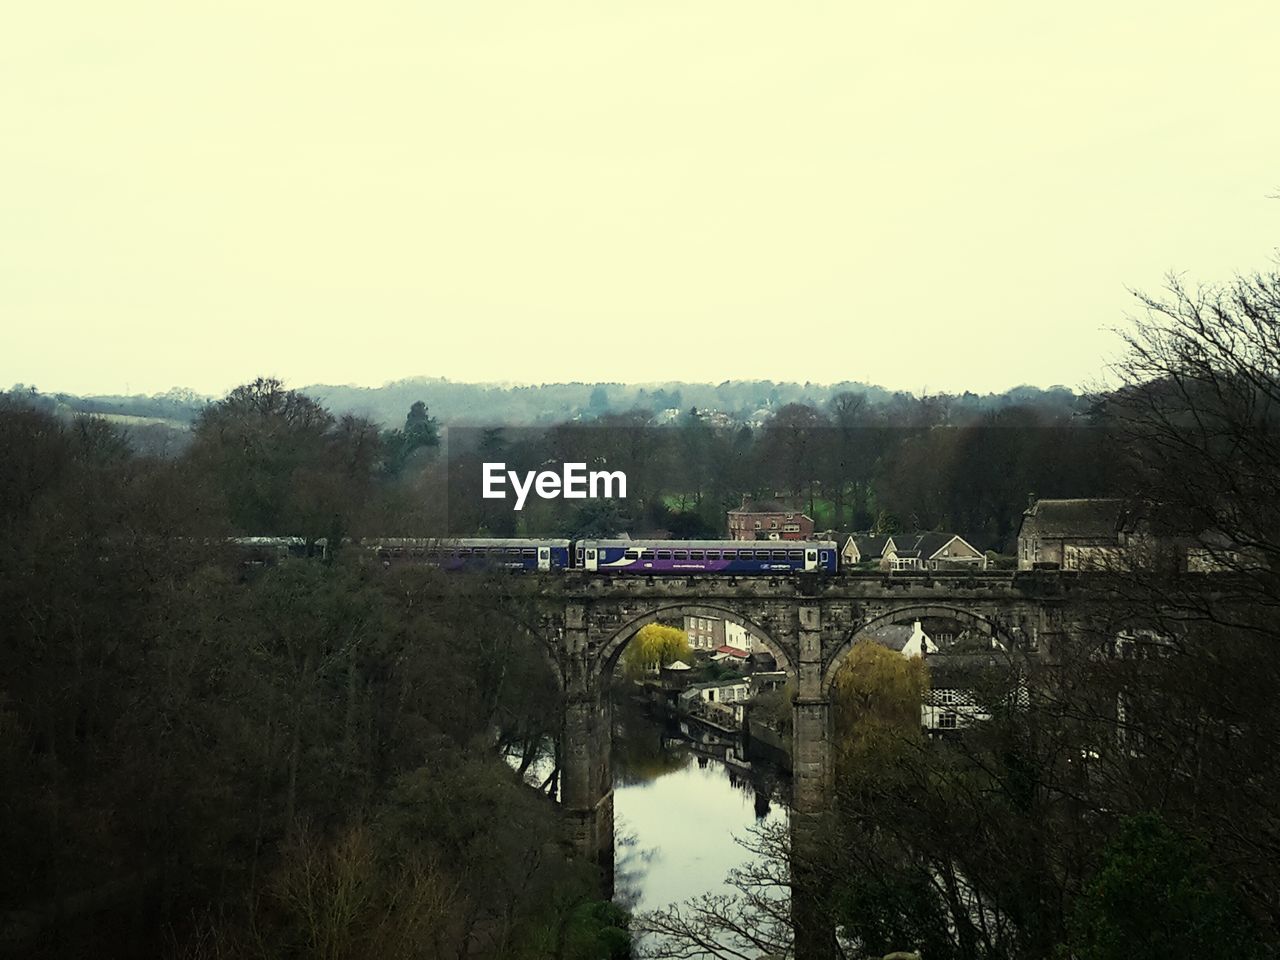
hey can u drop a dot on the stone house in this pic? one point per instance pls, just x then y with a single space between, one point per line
1071 534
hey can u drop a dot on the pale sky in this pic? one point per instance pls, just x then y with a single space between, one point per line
922 195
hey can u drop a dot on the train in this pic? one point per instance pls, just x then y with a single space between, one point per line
617 556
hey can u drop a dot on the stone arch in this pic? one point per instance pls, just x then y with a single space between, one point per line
918 611
618 640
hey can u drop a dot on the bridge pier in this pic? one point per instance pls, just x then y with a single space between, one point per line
586 777
586 781
811 780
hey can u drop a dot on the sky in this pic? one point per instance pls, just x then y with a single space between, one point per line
926 196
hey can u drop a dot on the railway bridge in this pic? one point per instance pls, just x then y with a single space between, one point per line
809 622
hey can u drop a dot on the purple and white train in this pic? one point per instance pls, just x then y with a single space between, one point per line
642 557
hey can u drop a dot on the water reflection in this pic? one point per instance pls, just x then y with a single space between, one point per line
681 810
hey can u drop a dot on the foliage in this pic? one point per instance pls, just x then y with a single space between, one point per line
655 645
241 755
1153 897
876 696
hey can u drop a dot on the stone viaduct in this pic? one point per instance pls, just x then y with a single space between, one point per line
808 621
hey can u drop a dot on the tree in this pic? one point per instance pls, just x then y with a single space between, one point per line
421 432
1154 899
1197 417
876 697
282 463
655 645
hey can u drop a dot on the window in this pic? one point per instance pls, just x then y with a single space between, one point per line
745 554
713 554
664 554
779 555
529 552
759 525
695 554
791 528
773 524
795 554
947 697
680 554
947 720
825 556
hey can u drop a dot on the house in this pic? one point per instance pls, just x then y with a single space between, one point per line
731 656
705 633
931 551
768 520
721 700
1109 534
963 687
910 640
856 548
765 681
1070 534
708 633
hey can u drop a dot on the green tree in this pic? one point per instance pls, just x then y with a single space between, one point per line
876 697
1154 898
421 432
655 645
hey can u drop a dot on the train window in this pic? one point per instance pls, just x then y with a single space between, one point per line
464 551
695 554
664 554
795 554
481 551
633 553
680 554
825 555
529 552
779 555
745 554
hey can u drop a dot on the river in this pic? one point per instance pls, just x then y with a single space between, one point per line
679 813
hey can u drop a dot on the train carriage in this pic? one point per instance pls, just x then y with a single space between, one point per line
477 554
668 557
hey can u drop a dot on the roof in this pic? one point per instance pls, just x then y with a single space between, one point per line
1074 518
677 665
869 547
768 506
892 635
732 651
950 670
923 545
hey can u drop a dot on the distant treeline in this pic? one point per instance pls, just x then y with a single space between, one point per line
854 461
486 404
